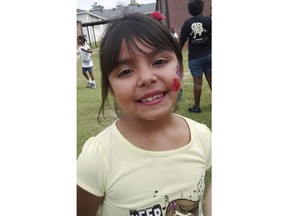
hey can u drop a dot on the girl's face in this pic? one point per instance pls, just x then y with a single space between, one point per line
146 86
79 42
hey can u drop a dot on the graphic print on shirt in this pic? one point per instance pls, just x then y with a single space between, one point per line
184 205
197 31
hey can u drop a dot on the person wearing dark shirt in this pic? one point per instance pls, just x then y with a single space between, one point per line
197 30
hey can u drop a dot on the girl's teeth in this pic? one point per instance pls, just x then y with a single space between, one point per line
151 98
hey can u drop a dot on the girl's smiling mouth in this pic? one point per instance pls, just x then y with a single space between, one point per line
152 98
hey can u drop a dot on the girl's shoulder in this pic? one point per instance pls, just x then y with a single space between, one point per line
86 46
101 142
196 126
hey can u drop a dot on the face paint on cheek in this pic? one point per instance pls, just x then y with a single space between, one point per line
178 72
176 85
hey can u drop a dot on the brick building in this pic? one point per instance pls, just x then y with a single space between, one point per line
176 12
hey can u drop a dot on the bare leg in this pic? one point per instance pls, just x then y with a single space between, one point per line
197 90
209 80
92 76
86 75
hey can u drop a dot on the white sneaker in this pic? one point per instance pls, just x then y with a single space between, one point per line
92 85
88 85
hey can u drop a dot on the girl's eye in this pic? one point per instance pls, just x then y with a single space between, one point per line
159 62
125 72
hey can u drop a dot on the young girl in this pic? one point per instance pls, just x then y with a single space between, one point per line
150 161
87 64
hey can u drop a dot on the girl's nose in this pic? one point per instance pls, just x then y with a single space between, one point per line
146 77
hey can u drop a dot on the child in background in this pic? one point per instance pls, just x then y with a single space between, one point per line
198 31
150 161
87 64
174 34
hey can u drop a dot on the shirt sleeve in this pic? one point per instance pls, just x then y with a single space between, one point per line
203 137
184 33
86 46
91 168
78 50
207 147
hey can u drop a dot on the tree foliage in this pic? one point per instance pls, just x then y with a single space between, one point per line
96 6
133 2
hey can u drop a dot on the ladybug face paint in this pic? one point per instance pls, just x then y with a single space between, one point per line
176 85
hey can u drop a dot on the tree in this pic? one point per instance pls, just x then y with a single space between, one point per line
97 7
133 2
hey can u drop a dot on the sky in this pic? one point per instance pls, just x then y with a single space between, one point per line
107 4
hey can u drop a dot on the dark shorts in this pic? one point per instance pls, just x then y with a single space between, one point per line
89 69
201 65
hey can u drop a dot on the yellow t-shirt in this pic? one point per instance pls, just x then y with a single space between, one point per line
137 182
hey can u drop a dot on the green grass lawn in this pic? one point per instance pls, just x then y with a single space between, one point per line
89 100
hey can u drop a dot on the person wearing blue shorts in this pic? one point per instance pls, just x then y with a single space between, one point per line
197 30
87 64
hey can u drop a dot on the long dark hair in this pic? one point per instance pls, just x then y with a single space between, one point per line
82 38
